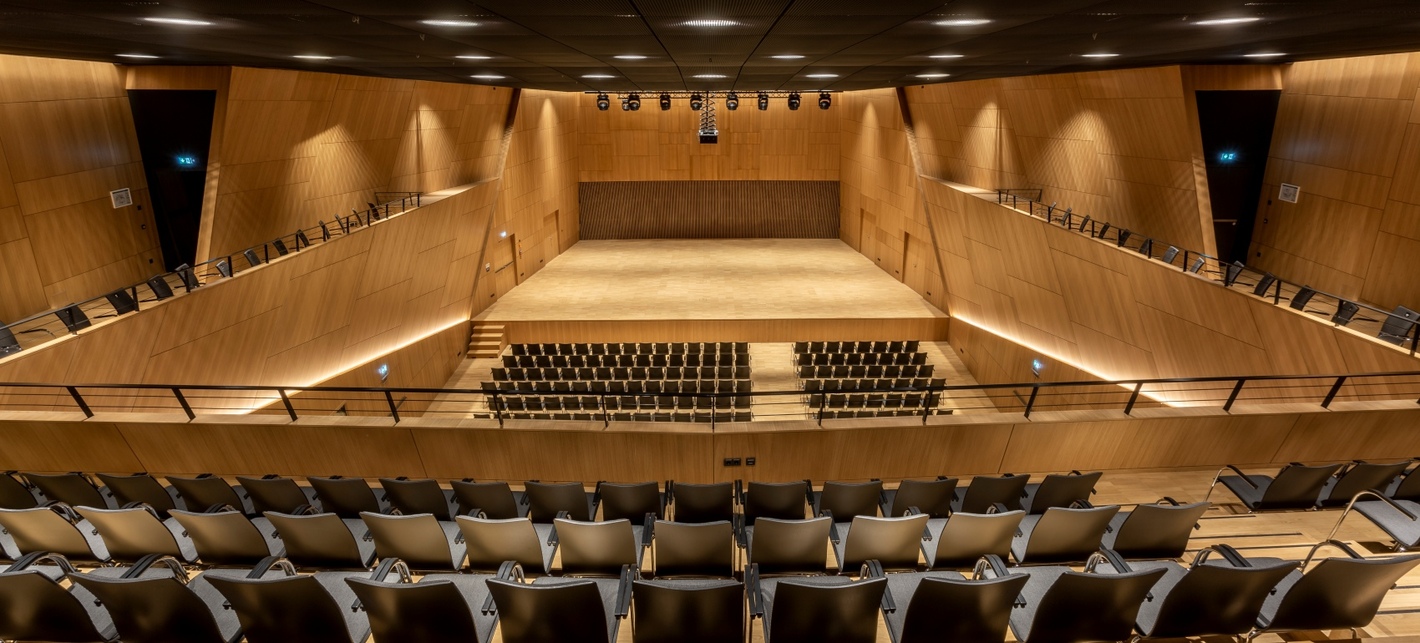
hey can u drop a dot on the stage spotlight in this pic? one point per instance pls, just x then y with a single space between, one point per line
603 103
763 101
732 101
665 102
824 100
794 100
634 102
696 102
625 106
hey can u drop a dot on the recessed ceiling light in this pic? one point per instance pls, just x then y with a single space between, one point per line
474 57
1101 55
450 23
597 76
1264 55
932 75
179 21
487 76
1226 21
710 22
962 22
311 57
630 57
787 56
135 56
945 56
709 76
820 75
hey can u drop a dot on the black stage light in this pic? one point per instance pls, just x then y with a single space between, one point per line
634 102
732 101
824 100
603 103
625 106
665 102
696 102
763 101
794 100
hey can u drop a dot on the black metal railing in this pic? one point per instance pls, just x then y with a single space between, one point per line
1398 327
49 325
1124 396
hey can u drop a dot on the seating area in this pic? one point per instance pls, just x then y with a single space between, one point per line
646 382
853 379
335 559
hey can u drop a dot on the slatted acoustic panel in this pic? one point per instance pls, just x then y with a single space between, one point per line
709 209
68 140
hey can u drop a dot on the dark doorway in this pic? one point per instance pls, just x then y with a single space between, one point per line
1237 133
174 133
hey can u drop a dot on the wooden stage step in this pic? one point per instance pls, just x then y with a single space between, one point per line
487 340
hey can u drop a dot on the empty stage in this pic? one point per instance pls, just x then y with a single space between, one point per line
752 290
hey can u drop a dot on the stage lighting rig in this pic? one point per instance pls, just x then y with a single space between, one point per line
824 100
633 102
696 102
794 101
665 102
603 103
732 101
763 101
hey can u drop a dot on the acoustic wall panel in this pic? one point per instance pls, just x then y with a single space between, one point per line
709 209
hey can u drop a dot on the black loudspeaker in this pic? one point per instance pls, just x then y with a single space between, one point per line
1147 248
302 240
189 280
1345 310
1123 237
8 344
1234 269
1084 223
1398 325
1267 280
1196 265
1299 302
1103 230
122 302
281 250
252 258
324 231
160 287
224 268
1169 255
74 319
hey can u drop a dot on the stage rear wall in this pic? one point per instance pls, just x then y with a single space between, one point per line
709 209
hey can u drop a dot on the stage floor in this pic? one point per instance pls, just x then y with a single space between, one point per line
729 279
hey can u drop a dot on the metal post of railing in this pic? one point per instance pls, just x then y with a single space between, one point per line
1013 201
290 410
1030 403
1185 259
927 406
1233 397
79 399
1331 395
1133 397
497 409
822 398
606 417
418 196
266 252
182 401
1277 294
394 409
1000 196
1415 338
714 409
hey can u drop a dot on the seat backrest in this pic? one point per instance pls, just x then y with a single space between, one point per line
1157 531
321 541
790 546
931 497
694 549
596 548
1091 607
203 493
1058 490
491 542
130 534
967 537
226 538
281 495
850 499
139 487
153 610
562 613
430 611
894 542
1068 535
418 540
1216 600
494 499
948 609
40 529
985 491
38 609
1296 486
278 610
781 500
1361 477
846 613
709 612
707 502
344 497
417 497
15 494
545 500
631 501
1339 593
72 489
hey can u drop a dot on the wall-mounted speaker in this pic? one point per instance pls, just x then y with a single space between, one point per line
122 302
73 318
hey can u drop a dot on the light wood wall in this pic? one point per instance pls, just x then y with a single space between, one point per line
1347 133
709 209
651 145
68 139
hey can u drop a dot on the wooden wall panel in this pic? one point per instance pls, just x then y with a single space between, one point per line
67 139
1347 133
709 209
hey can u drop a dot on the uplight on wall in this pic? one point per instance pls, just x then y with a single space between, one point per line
383 370
1036 366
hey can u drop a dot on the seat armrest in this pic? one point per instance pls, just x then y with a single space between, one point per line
997 508
25 562
1167 499
144 563
753 592
991 563
388 565
1081 504
552 540
647 529
623 591
1230 554
305 510
874 569
1115 560
1242 475
509 570
265 565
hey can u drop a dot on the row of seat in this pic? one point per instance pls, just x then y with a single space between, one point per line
622 373
908 346
1299 486
859 359
837 401
517 403
883 384
843 372
665 348
625 361
704 416
634 387
876 413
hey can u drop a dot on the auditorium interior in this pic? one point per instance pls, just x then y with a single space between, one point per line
631 321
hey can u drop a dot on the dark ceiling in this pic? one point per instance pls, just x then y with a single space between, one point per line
556 44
